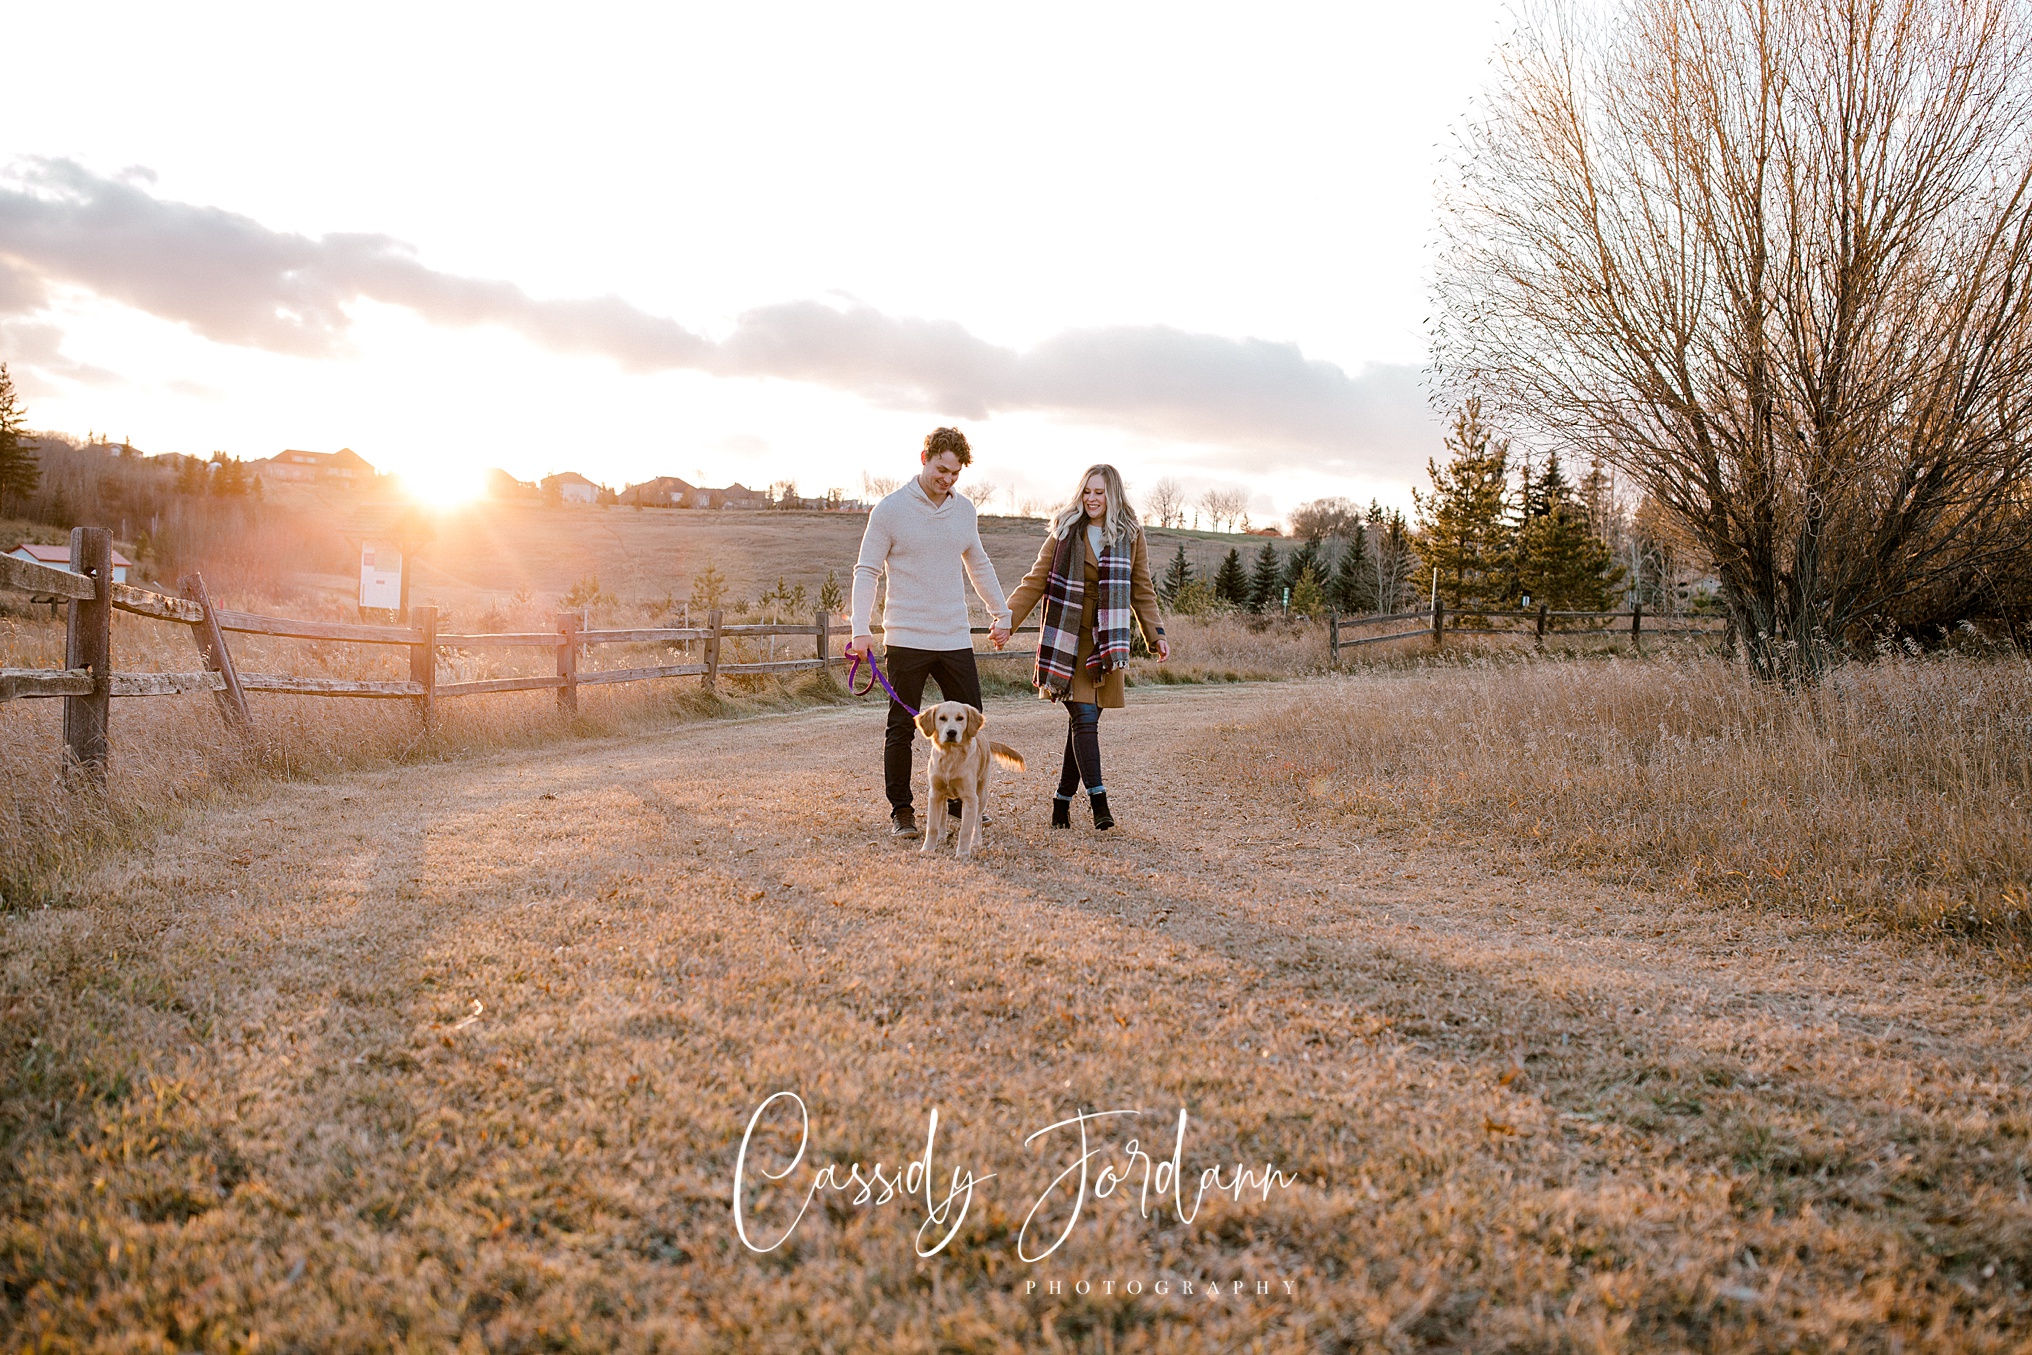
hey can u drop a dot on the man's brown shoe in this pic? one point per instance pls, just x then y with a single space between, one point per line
903 823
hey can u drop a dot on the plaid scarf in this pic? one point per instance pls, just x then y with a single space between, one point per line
1065 598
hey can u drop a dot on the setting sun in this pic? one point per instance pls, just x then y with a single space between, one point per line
443 486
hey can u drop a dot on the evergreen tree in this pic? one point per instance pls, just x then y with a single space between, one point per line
1307 556
1551 488
708 590
1267 583
1176 576
229 478
830 595
20 470
1353 590
1568 567
1461 530
1231 581
1195 599
191 475
1308 597
1537 495
783 602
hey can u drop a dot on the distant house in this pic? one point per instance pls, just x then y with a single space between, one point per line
502 485
59 557
665 491
343 469
738 495
572 487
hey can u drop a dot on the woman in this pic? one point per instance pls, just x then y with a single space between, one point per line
1093 574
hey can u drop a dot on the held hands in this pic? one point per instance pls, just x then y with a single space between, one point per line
998 635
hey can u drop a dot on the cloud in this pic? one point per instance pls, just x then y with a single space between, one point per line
227 277
34 352
233 280
21 292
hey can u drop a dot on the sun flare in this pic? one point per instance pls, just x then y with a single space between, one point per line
443 486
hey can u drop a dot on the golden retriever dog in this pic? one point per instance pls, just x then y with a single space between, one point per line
960 769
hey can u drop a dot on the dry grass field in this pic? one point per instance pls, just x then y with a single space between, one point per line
1896 793
460 1054
502 557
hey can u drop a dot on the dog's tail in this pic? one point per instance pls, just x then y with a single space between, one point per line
1007 756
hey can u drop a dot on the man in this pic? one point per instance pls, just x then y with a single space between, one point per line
921 536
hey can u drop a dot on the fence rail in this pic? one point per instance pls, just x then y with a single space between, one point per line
87 682
1436 618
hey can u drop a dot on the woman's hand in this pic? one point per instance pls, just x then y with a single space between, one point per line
998 636
1163 649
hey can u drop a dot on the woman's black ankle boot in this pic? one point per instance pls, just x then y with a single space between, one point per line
1061 811
1102 818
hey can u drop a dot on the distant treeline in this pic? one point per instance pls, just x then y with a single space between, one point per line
174 514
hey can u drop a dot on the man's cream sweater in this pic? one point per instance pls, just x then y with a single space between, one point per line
921 545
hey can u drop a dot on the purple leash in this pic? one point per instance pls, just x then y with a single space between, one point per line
876 669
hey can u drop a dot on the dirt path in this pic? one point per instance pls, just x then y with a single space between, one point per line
465 1053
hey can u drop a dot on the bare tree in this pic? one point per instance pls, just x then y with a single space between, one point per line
1165 503
1223 505
1775 263
1317 518
878 487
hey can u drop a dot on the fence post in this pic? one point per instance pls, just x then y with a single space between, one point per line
1543 607
568 662
1637 624
825 648
1438 621
212 649
1333 638
88 643
423 661
713 650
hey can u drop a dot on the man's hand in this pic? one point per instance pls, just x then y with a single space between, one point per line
998 636
861 647
1163 649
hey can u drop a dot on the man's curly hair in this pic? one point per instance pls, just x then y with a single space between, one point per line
940 440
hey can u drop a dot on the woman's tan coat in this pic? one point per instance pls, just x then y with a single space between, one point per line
1113 689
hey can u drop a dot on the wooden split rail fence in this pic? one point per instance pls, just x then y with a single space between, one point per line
87 682
1436 618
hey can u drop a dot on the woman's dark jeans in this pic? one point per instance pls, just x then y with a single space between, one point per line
1082 750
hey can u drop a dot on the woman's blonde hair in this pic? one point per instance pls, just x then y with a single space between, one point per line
1120 517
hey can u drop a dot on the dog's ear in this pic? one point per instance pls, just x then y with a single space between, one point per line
924 719
974 721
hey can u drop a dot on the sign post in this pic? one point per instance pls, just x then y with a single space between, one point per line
383 580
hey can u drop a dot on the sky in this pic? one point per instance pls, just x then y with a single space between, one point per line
753 243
